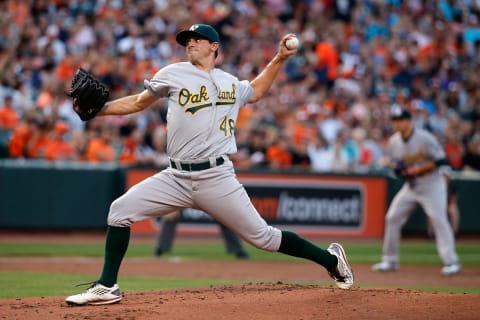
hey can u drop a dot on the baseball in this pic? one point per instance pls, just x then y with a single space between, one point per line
292 43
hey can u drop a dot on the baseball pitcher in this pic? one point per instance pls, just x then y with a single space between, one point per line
203 104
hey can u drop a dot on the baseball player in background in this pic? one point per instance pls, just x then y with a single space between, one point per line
203 104
168 224
416 156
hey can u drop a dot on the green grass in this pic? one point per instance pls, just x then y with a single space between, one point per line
36 284
39 284
411 252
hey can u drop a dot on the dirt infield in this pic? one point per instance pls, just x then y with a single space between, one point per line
271 290
257 301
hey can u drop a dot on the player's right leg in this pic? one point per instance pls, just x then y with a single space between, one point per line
153 197
400 209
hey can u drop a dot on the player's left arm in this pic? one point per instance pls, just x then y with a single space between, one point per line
129 104
262 83
156 88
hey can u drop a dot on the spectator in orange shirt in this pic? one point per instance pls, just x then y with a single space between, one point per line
128 154
100 149
454 149
279 155
58 148
327 65
18 141
37 144
9 119
130 149
30 141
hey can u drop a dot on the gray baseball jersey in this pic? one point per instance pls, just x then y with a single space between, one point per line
429 191
202 111
421 146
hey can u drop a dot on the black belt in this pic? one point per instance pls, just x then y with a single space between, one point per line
197 166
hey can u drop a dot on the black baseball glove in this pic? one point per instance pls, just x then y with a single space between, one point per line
400 168
89 95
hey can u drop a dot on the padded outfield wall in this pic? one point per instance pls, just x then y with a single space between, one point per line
76 196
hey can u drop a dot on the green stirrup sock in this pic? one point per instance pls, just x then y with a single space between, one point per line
294 245
116 245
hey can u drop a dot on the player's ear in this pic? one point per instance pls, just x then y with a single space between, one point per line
215 46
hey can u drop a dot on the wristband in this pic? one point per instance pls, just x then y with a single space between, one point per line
411 171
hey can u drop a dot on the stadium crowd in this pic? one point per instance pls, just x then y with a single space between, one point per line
328 111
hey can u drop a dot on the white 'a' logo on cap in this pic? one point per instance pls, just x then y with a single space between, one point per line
396 110
194 27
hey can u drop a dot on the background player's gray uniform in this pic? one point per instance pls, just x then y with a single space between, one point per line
429 191
202 111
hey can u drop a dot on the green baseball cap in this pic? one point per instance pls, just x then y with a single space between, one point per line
203 30
399 113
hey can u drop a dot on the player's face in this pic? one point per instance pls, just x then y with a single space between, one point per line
402 125
197 48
